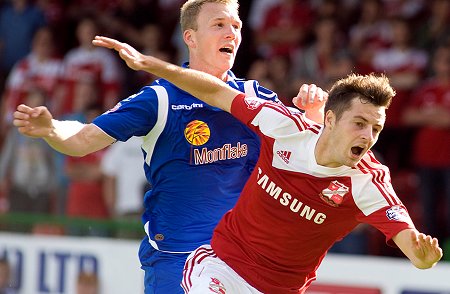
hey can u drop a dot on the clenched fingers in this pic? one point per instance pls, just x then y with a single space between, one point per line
310 95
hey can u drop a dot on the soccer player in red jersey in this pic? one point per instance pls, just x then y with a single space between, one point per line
311 186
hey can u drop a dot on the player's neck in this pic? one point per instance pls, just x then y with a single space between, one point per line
214 71
323 152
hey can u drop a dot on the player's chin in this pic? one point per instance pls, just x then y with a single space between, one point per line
353 161
228 59
230 63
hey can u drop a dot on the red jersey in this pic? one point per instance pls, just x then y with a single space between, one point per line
292 210
97 65
432 144
85 196
29 73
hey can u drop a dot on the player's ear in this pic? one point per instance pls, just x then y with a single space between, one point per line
330 119
189 38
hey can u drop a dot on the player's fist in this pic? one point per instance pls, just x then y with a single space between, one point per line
310 97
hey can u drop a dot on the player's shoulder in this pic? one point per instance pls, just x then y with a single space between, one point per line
369 164
164 87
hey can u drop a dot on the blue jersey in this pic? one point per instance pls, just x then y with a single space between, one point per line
197 159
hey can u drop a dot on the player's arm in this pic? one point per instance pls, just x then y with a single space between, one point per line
422 250
201 85
68 137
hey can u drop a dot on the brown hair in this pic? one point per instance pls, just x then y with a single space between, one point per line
371 88
191 8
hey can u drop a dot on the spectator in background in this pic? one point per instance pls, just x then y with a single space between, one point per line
169 12
6 286
124 182
127 19
370 33
339 10
405 65
273 73
85 96
98 63
27 168
435 28
401 60
55 12
81 177
285 27
19 20
87 283
259 70
258 9
409 10
41 69
429 112
76 10
150 42
85 186
325 59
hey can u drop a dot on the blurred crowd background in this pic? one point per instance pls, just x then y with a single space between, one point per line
46 58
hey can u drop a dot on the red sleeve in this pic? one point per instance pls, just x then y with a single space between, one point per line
246 108
390 221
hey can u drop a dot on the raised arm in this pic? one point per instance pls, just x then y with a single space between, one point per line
422 250
201 85
68 137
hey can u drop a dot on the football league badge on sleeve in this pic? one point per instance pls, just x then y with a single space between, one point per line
334 193
253 102
397 213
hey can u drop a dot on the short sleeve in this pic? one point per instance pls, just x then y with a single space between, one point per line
133 116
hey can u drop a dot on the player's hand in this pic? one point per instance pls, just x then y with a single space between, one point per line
426 249
133 58
310 97
34 122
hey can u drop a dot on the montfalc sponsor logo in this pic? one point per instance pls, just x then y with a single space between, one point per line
226 152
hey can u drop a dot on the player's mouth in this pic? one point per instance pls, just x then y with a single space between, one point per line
357 151
227 49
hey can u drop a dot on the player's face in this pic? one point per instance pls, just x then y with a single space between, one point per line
214 45
355 132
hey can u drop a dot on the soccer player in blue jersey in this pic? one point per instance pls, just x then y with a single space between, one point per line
197 157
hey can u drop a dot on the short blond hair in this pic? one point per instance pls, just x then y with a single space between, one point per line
191 8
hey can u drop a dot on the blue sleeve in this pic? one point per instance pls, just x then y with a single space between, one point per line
133 116
265 93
